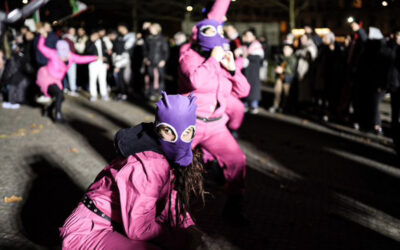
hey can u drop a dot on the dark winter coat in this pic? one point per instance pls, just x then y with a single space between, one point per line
252 71
51 41
156 49
394 75
374 65
91 49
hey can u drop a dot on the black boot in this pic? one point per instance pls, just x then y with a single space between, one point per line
234 212
48 112
59 117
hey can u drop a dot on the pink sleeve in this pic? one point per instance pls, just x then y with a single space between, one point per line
219 10
240 85
239 62
47 52
139 189
199 75
138 197
83 59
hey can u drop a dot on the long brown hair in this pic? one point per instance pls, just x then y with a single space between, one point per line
187 181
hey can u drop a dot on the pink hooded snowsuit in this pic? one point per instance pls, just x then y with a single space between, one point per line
214 86
55 70
133 192
235 108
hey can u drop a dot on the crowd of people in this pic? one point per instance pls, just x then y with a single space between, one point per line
342 82
125 63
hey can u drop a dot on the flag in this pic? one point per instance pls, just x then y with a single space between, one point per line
36 16
77 6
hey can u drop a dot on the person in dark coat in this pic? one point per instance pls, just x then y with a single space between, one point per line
331 71
358 41
51 41
97 69
373 74
394 88
156 52
253 54
19 74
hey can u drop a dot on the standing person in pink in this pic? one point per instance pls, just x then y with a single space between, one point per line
235 108
49 77
141 200
209 72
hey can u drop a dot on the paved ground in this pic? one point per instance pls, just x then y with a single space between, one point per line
310 186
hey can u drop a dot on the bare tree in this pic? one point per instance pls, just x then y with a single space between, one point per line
292 7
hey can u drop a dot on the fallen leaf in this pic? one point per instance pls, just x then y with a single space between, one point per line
41 126
21 130
35 131
3 136
73 150
34 125
12 199
18 134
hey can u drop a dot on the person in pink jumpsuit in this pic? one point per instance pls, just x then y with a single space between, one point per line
210 73
140 200
49 77
235 108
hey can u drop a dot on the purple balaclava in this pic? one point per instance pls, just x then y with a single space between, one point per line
207 42
62 47
179 114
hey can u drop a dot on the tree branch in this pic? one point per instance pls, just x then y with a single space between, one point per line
279 4
301 7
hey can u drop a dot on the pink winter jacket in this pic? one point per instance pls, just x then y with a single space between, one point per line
56 67
210 82
135 192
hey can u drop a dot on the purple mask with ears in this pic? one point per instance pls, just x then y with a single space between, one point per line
179 114
208 42
62 49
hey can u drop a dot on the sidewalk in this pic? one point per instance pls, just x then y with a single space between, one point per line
308 186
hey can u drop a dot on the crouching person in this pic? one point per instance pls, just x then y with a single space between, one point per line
141 200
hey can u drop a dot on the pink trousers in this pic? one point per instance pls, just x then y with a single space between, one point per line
86 230
235 112
216 139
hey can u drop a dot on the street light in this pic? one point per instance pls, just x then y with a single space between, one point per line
350 19
25 1
189 8
384 3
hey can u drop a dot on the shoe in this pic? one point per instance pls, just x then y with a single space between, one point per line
9 105
233 211
254 111
153 98
378 131
73 93
105 98
121 97
15 106
59 118
272 109
43 99
6 105
93 98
